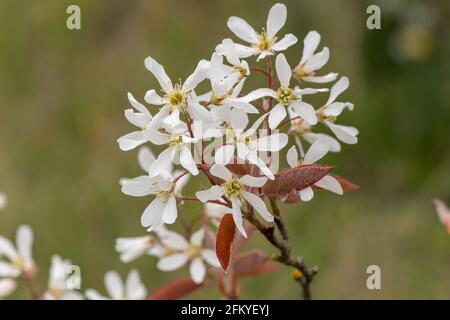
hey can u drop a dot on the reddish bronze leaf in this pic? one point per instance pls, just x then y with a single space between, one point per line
224 240
297 178
174 290
253 263
345 184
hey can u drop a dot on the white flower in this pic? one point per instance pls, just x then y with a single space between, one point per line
331 110
133 289
234 189
311 62
178 140
141 119
20 260
247 145
132 248
192 251
3 200
163 209
316 152
58 288
7 286
287 97
176 97
237 65
264 43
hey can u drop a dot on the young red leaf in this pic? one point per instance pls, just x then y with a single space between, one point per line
174 290
297 178
224 240
253 263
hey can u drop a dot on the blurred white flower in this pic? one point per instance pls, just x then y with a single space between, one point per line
134 247
132 289
7 287
182 251
3 200
234 189
331 110
311 62
18 260
215 212
265 43
58 283
316 152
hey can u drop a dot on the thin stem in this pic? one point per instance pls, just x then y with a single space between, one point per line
29 281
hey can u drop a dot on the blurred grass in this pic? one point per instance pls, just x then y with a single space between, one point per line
62 96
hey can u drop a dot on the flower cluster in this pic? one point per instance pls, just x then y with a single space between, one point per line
231 137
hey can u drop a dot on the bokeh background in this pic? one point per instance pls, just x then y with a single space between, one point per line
62 96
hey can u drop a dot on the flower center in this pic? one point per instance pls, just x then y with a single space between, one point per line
176 140
285 95
300 72
164 194
299 126
234 188
323 117
18 262
56 293
193 251
264 43
241 70
217 101
176 98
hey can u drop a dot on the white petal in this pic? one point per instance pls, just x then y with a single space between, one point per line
306 111
187 161
159 73
276 115
283 69
132 140
310 44
152 213
169 214
24 244
251 181
311 137
292 157
306 194
221 172
238 119
152 97
276 19
139 187
253 158
7 249
224 154
318 60
230 52
321 79
114 285
92 294
194 79
140 120
7 286
242 105
210 257
331 184
258 204
197 270
337 89
156 137
242 29
287 41
145 158
213 193
259 93
344 133
8 270
174 240
316 152
197 237
134 288
172 262
241 50
163 163
237 216
274 142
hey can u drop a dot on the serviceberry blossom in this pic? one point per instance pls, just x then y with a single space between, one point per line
181 252
266 42
19 259
7 287
311 62
235 189
132 289
316 152
58 288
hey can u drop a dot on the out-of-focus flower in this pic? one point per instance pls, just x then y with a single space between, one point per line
215 212
316 152
132 248
58 283
19 259
332 109
132 289
311 62
181 251
234 189
443 213
7 287
265 43
3 200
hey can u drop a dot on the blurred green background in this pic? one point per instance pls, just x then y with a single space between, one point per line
62 96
